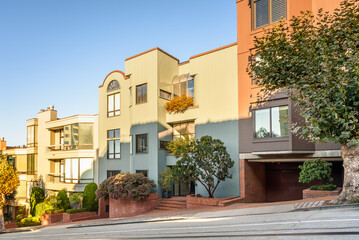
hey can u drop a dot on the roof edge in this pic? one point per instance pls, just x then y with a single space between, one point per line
110 74
214 50
153 49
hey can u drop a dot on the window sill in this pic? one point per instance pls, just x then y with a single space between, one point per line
265 140
140 153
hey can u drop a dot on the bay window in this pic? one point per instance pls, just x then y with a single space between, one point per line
271 122
183 85
77 170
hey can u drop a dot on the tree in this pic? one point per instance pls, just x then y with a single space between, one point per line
9 181
315 60
37 196
206 161
89 197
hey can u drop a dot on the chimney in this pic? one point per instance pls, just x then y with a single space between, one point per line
2 144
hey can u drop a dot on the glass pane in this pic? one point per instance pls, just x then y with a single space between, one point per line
183 90
262 123
86 170
117 133
75 136
111 146
117 146
261 12
144 92
110 133
138 94
68 174
117 101
279 10
75 168
190 128
176 92
280 121
86 134
110 103
190 88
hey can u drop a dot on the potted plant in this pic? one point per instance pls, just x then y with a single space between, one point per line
165 182
318 172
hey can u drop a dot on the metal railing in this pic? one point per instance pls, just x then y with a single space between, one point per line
61 178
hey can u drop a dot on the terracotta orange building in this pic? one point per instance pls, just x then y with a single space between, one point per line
269 153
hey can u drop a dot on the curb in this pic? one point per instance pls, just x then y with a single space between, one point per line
327 207
134 221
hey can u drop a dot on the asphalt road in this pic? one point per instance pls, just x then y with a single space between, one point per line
338 223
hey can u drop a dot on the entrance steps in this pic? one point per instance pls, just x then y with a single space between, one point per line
171 203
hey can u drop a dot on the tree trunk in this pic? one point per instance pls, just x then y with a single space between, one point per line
350 190
2 220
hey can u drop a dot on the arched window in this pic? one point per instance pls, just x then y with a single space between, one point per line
183 85
113 86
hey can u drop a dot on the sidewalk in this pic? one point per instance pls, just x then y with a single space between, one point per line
208 212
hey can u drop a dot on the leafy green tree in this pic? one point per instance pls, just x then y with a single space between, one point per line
89 197
37 196
317 170
206 161
314 59
9 181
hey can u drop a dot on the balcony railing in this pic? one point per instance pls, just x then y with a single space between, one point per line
61 178
63 147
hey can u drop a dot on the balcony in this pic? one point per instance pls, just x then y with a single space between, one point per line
58 181
70 151
189 114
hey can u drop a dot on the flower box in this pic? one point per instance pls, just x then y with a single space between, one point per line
307 193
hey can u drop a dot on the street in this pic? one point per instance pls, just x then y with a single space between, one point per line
337 223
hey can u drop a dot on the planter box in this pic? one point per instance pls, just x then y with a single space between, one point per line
200 202
78 216
307 193
125 206
10 225
47 219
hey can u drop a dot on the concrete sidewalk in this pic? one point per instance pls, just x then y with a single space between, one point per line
236 209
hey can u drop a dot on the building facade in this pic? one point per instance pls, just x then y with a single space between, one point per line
134 126
62 152
269 152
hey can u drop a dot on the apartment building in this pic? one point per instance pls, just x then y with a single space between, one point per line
269 152
134 126
18 158
62 151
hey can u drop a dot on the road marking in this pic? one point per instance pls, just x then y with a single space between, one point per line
186 228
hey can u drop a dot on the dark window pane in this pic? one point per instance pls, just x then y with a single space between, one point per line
141 93
144 172
141 143
113 85
113 173
279 10
261 13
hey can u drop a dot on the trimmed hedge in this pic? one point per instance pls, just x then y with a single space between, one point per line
63 200
89 197
72 211
31 221
327 187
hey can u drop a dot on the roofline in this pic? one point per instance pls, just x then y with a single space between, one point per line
156 48
77 115
214 50
110 74
183 63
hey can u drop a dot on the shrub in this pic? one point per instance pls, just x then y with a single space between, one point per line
89 201
134 185
63 200
31 221
178 104
327 187
21 213
43 207
37 196
166 179
180 146
76 197
72 211
315 170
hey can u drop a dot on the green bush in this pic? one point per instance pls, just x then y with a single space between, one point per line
317 170
72 211
63 200
327 187
134 185
43 207
21 213
76 197
89 197
37 196
31 221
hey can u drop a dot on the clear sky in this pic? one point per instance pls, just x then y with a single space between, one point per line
57 52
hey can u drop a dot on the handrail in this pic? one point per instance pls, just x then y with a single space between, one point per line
63 147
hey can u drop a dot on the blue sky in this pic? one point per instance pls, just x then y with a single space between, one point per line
57 52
